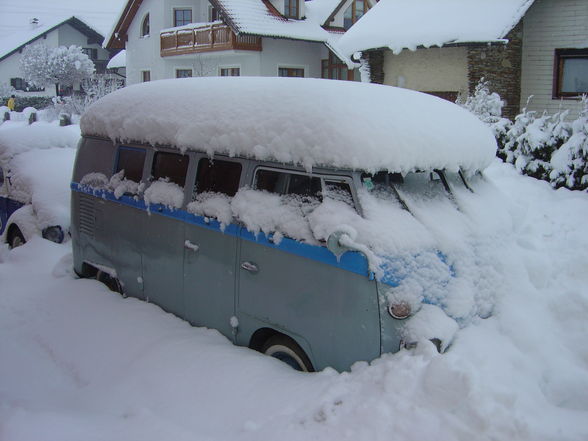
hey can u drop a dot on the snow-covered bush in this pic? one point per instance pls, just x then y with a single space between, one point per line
6 90
42 66
487 106
570 162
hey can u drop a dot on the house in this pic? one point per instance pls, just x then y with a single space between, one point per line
525 48
443 47
64 32
186 38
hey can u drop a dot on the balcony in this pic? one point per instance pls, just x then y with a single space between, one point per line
205 38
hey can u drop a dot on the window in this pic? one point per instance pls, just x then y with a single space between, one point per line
288 183
91 52
290 72
182 17
230 72
145 27
21 84
1 177
171 166
335 69
218 177
354 12
291 8
213 14
183 73
130 160
146 75
570 73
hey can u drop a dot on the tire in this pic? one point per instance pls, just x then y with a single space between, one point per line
287 350
15 238
110 282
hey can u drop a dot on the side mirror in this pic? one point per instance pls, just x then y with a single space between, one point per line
334 244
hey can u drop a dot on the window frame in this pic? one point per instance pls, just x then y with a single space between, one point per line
116 169
152 176
182 9
145 26
334 64
292 9
560 55
242 173
290 69
229 68
185 70
145 76
354 17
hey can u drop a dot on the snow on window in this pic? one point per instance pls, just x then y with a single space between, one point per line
166 193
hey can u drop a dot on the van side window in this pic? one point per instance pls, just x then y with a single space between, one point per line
287 183
130 160
172 166
339 191
218 177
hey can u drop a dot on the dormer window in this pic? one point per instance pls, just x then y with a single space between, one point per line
145 27
354 12
291 8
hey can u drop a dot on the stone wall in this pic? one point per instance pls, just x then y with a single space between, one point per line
501 65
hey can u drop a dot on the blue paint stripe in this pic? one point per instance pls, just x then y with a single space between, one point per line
351 261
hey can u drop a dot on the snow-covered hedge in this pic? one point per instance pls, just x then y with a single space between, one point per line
547 147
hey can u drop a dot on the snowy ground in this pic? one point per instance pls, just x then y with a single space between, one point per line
78 362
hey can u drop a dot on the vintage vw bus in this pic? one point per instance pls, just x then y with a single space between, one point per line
282 212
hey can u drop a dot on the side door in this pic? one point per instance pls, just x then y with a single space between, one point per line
327 304
210 253
163 231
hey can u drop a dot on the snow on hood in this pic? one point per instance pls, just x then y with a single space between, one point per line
407 24
20 138
310 122
43 177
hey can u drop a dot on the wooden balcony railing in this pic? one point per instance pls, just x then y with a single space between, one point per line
206 38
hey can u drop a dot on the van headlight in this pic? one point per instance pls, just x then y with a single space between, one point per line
54 234
399 310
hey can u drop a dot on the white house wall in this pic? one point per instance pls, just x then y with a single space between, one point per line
550 25
67 36
143 53
430 70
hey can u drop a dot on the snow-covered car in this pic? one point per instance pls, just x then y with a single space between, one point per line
36 163
320 234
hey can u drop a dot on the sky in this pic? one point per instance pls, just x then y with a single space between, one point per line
15 15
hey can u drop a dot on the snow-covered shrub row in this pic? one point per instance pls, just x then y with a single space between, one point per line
547 147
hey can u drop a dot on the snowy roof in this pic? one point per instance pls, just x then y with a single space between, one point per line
357 125
256 18
119 60
12 43
408 24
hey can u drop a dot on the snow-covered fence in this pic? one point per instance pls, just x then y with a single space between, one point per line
547 147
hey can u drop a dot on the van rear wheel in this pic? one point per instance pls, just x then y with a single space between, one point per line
287 350
15 238
111 283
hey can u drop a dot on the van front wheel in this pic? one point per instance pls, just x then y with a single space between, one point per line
287 350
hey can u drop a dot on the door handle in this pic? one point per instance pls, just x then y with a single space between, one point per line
251 267
191 246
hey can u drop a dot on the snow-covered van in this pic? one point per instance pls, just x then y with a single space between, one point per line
36 163
292 215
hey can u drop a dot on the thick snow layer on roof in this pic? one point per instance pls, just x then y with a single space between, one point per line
18 138
15 16
407 24
253 17
119 60
310 122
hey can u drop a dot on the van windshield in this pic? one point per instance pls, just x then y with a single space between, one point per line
418 185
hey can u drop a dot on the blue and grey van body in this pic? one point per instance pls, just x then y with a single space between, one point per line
230 279
314 303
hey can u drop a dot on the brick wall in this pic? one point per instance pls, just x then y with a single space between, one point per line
501 65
